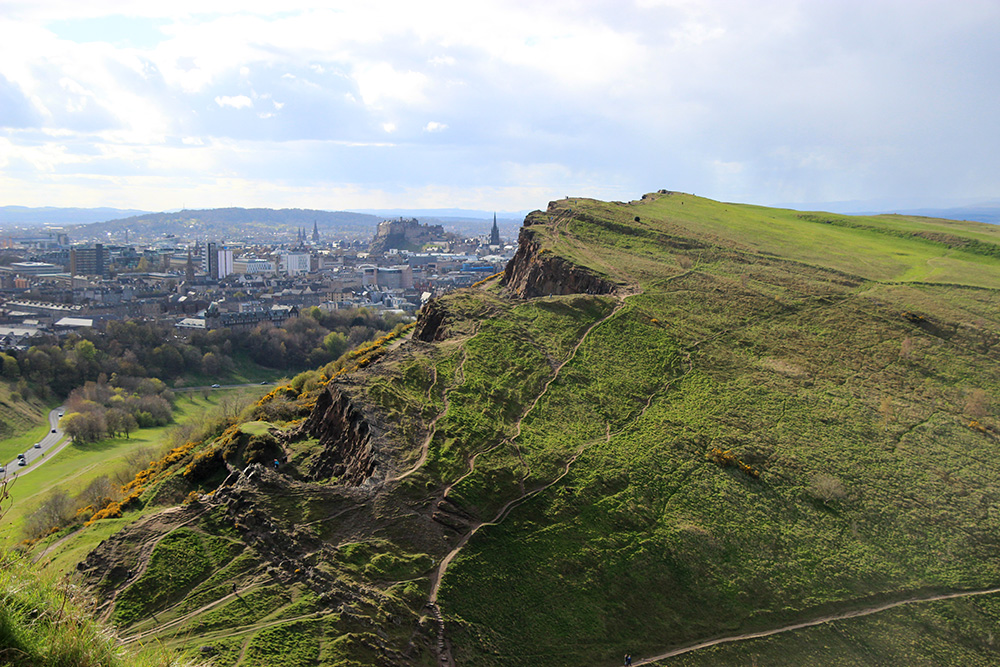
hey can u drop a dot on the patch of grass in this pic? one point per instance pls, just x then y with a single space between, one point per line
249 607
954 632
163 582
288 645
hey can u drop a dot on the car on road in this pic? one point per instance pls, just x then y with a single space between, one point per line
22 462
53 430
20 456
2 470
38 445
264 382
216 386
60 414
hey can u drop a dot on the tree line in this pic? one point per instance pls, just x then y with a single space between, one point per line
134 348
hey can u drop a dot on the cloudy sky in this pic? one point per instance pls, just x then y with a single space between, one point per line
496 105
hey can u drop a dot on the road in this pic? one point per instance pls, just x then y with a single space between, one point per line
225 386
51 444
55 439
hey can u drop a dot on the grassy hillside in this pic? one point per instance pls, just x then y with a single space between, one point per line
771 418
44 624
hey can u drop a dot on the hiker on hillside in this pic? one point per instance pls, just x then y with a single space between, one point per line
628 660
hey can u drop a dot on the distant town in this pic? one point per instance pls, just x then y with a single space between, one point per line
50 285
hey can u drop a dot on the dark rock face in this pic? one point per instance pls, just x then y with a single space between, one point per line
535 272
430 325
346 437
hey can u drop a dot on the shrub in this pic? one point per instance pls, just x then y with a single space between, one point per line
262 448
827 488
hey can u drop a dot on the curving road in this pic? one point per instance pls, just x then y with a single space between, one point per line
51 444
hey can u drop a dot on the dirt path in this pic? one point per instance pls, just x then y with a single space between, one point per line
867 611
180 620
55 545
432 431
444 650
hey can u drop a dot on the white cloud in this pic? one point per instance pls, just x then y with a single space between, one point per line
235 101
379 83
721 97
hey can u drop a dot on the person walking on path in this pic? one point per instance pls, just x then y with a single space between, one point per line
628 660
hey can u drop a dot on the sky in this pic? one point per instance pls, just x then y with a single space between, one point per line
496 105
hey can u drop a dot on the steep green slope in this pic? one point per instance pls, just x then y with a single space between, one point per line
43 624
672 420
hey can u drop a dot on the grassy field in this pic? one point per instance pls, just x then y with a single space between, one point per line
780 415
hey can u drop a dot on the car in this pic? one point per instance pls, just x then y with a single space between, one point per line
2 470
60 414
22 462
216 386
264 382
20 456
38 445
54 430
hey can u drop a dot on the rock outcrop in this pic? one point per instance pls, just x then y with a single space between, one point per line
346 437
403 234
535 271
431 323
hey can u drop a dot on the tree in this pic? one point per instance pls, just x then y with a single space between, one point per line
210 364
99 493
87 426
86 350
335 343
54 512
11 370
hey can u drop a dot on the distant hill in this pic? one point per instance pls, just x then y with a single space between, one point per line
234 223
51 215
986 213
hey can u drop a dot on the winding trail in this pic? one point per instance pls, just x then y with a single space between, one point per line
856 613
444 651
432 430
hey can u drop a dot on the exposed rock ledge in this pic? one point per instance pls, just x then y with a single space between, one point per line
535 272
346 437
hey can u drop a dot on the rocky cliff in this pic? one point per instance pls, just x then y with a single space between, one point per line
536 271
346 437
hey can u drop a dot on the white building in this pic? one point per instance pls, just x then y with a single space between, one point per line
252 265
294 263
225 264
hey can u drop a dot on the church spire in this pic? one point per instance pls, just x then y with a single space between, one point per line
495 231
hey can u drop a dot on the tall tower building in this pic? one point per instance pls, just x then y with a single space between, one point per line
495 232
315 232
211 262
